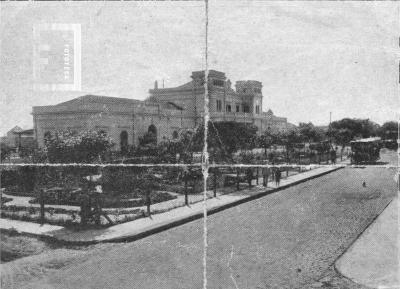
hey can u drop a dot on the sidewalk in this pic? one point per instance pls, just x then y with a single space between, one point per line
373 259
158 222
24 201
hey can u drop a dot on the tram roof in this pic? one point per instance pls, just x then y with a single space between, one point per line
370 139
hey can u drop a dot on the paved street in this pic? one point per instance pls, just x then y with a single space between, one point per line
288 239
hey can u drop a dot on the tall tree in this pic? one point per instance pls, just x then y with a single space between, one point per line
347 129
289 139
389 130
226 137
309 133
265 141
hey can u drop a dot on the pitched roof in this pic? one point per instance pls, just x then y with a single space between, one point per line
89 102
89 98
24 132
187 85
15 129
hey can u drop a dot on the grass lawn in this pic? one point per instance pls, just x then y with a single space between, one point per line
17 246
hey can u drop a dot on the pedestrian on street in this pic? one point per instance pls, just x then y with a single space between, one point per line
265 173
249 175
333 156
278 177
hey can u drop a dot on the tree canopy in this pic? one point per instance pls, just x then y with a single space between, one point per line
223 139
309 133
83 147
227 137
347 129
389 130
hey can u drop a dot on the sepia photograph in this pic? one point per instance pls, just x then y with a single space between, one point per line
199 144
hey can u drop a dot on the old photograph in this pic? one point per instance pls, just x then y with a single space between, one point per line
199 144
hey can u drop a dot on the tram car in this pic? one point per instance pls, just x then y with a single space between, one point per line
365 150
390 144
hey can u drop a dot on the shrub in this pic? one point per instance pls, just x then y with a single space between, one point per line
27 178
84 147
117 180
9 178
5 151
19 179
5 200
107 202
34 210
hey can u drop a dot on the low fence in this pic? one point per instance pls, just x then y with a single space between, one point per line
64 195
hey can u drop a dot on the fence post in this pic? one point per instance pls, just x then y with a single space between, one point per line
257 177
84 207
186 189
215 182
265 176
237 179
148 201
41 207
97 209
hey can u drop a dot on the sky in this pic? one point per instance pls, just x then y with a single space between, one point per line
312 57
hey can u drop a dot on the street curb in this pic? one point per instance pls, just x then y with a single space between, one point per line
337 270
184 220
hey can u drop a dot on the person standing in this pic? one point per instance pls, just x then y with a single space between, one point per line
333 156
265 173
249 175
278 176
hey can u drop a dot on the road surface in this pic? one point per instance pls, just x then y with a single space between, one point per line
289 239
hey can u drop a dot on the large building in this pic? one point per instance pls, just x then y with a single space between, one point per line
165 112
18 138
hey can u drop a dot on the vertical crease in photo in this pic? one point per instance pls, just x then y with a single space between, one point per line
205 152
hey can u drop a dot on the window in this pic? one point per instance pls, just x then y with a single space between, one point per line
152 129
219 105
47 136
246 108
124 141
237 108
228 108
217 82
257 109
175 134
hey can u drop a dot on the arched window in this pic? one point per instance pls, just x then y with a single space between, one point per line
175 134
152 134
47 136
124 141
152 129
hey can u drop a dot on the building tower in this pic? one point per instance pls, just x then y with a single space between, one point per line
251 90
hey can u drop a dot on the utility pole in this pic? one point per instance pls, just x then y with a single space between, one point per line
330 128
